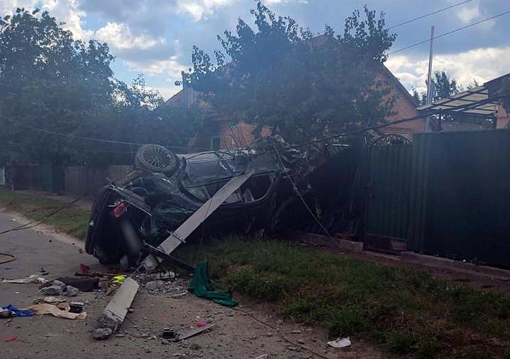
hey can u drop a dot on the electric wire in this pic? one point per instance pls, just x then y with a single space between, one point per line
11 258
450 32
303 200
429 14
41 220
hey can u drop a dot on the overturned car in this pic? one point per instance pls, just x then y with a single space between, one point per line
132 217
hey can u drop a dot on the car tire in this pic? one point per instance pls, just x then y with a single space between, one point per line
156 158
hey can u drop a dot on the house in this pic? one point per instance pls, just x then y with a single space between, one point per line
218 132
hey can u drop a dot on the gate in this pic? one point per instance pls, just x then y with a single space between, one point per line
387 203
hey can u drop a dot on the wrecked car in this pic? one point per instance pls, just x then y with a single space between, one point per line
165 189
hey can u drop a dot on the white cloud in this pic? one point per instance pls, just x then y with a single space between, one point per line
68 11
171 68
201 9
482 65
7 7
119 36
469 14
166 92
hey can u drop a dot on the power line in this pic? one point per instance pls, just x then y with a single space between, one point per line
429 14
451 32
92 138
54 148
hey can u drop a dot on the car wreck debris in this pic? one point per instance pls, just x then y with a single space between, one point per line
144 217
194 332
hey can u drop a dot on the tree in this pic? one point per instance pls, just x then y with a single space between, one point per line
48 80
443 86
306 86
51 84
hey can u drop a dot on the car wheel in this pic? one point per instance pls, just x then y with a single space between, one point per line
156 158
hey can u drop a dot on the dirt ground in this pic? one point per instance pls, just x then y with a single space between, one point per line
236 335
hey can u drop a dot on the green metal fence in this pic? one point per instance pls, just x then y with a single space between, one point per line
446 194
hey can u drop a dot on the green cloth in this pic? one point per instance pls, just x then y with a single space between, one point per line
201 286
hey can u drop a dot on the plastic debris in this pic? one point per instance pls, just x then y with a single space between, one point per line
50 300
34 278
11 339
62 311
340 343
18 312
6 313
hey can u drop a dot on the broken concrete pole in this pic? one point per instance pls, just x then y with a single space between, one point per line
196 219
109 322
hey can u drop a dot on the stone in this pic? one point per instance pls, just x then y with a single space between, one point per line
71 291
195 346
151 285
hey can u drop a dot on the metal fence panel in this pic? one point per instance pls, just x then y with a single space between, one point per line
389 177
467 215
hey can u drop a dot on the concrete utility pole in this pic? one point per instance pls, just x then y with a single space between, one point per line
430 87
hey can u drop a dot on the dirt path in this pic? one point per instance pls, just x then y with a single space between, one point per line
236 335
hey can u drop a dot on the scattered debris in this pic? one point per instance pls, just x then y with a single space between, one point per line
201 286
194 332
263 356
34 278
76 307
50 300
17 312
297 331
6 313
340 343
11 339
52 290
62 311
168 333
71 291
84 284
179 295
113 316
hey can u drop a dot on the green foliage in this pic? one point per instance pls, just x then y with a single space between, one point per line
281 75
405 311
443 86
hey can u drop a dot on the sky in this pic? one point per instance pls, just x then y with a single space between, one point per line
155 37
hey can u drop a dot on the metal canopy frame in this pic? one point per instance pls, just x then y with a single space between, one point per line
473 102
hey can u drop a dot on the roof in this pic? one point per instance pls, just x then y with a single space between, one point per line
479 101
399 85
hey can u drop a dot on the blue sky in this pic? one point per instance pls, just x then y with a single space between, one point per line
155 37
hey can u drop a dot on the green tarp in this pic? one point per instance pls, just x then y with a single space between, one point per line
201 286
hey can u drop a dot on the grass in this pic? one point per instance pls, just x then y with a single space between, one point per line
406 312
72 220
